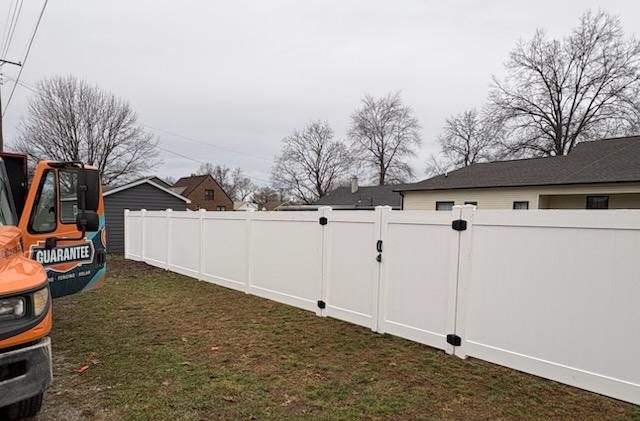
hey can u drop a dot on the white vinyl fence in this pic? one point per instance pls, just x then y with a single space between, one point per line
551 293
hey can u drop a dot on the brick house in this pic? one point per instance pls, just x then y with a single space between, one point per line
204 193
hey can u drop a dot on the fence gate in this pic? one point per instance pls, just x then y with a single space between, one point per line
418 276
350 278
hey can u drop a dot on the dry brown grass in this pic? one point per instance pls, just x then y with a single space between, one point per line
162 346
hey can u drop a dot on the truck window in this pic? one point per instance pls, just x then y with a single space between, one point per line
43 218
68 180
6 211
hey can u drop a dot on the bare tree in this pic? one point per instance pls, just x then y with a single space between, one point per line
233 181
467 138
70 120
311 163
264 195
169 180
384 135
558 93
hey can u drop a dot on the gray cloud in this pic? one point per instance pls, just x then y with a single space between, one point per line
242 74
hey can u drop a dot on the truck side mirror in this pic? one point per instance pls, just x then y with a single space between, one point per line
87 221
88 195
88 189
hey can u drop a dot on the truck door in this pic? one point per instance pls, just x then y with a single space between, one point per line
74 261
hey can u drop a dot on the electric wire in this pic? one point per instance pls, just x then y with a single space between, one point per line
12 29
26 55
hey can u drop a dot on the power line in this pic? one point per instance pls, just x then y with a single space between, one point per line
11 30
26 55
179 136
211 145
202 162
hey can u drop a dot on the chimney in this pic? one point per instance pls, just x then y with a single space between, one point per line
354 184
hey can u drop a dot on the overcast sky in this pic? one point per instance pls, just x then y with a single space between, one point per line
241 75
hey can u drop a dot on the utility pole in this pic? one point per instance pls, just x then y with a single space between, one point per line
1 116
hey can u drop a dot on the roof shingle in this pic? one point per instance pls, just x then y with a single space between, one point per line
366 197
603 161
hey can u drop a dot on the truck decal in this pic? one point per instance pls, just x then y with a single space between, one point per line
74 253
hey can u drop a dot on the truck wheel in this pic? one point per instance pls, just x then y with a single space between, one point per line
23 409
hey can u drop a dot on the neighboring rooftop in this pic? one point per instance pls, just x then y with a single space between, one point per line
615 160
154 181
189 183
365 197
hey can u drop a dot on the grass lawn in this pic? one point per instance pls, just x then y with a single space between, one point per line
160 346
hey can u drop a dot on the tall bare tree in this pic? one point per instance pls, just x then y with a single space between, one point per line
234 182
557 93
311 163
70 120
466 138
384 135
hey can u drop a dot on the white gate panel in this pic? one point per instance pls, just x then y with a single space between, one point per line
555 294
133 235
184 244
156 229
351 271
285 257
225 249
416 284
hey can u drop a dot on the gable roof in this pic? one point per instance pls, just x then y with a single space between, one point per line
191 182
153 181
365 197
615 160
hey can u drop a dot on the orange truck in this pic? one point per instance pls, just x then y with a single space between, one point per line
52 243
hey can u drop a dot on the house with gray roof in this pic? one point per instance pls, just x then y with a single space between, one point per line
601 174
355 197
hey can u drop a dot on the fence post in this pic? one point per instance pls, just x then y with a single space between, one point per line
143 233
201 255
249 272
168 215
382 221
127 232
460 246
325 253
464 271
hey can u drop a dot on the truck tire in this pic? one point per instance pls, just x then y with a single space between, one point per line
23 409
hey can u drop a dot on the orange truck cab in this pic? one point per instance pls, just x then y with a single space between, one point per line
52 243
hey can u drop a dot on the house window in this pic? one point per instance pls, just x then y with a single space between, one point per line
520 205
220 208
474 203
444 206
597 202
208 194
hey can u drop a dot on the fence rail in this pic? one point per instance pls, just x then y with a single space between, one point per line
551 293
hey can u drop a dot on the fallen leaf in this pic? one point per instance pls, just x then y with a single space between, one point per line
228 398
83 369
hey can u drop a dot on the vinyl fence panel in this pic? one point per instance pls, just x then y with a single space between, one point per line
225 249
285 250
556 294
351 275
184 243
156 229
133 235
